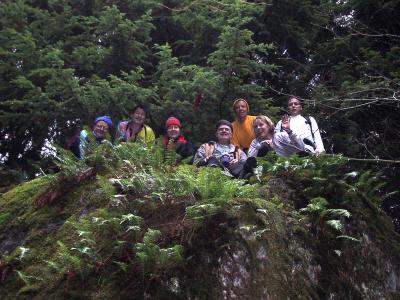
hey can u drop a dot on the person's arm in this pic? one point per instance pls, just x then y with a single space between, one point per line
319 145
200 156
295 140
242 156
185 149
120 136
253 149
150 136
82 144
278 127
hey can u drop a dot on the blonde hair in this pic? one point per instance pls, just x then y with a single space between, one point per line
267 121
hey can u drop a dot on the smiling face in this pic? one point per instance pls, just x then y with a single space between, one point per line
262 130
138 116
294 106
100 129
173 131
241 110
224 134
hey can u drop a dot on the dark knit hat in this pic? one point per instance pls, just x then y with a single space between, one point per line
224 122
106 119
173 121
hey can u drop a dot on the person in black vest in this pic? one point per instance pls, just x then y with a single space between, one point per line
173 140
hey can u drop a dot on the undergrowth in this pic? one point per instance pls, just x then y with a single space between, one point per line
155 211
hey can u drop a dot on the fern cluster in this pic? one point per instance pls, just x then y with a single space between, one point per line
156 211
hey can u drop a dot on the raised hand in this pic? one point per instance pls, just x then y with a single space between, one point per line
286 123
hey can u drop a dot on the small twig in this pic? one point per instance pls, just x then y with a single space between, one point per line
377 160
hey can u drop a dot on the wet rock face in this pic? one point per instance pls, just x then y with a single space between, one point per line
12 239
262 267
234 273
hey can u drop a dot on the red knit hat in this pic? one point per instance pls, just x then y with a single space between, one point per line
172 121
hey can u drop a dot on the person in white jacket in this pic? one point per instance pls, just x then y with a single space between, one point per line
297 134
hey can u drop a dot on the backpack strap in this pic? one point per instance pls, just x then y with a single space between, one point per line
308 121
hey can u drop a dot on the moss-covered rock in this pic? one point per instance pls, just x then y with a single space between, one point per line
124 225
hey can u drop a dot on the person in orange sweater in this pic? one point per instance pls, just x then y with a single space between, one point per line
243 133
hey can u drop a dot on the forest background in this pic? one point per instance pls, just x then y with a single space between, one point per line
63 63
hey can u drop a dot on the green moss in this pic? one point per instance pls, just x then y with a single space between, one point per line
210 222
18 202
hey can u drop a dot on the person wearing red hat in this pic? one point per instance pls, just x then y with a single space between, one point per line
173 139
243 133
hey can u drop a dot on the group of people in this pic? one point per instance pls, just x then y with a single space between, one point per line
237 145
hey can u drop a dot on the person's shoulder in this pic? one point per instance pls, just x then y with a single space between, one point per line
209 143
254 142
83 133
123 124
251 118
312 118
147 127
309 118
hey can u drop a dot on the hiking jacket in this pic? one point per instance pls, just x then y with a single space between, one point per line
87 137
180 146
124 134
258 149
297 141
217 150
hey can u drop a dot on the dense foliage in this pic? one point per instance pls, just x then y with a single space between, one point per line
63 62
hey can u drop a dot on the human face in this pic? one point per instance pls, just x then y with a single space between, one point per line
241 110
138 116
173 131
100 129
262 130
294 106
224 134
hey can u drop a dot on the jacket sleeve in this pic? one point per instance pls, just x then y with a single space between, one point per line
82 143
278 127
242 156
150 136
253 149
120 136
200 156
185 150
317 136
